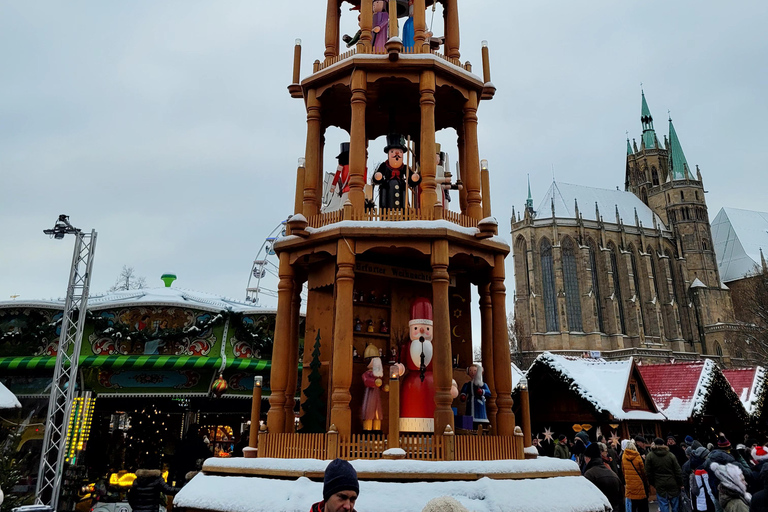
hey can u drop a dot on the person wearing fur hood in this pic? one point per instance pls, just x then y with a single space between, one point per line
733 495
145 493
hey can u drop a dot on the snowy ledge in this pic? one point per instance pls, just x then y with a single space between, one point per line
244 494
388 469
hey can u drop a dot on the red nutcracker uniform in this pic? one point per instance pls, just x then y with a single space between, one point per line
417 392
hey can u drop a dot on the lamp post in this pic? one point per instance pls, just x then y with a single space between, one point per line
393 438
255 415
64 382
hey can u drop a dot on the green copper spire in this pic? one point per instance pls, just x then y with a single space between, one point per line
649 135
529 201
629 147
678 165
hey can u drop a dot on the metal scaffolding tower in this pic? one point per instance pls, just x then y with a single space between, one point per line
65 373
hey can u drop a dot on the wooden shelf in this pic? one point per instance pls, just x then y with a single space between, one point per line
372 305
371 334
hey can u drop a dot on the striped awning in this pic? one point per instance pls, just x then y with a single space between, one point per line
137 362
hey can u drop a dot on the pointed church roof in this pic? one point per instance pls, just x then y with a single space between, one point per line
565 196
529 201
629 148
677 162
737 237
649 135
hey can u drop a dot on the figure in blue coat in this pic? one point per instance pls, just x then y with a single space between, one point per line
475 393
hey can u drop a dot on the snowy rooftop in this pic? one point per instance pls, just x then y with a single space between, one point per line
749 384
566 195
737 236
602 383
680 390
7 399
517 376
171 296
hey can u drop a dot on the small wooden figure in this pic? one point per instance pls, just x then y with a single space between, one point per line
384 327
358 325
372 297
385 299
370 326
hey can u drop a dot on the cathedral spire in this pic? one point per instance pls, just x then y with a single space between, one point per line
678 165
529 201
629 148
649 135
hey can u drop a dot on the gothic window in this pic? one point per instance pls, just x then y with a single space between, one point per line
653 271
672 216
682 196
718 349
673 275
697 194
644 196
572 295
548 283
617 288
638 292
687 213
522 253
704 244
596 283
655 176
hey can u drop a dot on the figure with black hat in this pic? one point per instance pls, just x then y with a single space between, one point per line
391 175
340 488
339 188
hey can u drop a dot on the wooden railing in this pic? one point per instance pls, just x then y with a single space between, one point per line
391 215
423 446
293 446
330 61
362 446
488 448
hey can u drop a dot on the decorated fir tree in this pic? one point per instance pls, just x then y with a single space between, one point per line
146 438
313 420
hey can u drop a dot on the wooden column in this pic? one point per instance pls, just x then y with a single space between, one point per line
485 180
255 415
358 141
502 364
298 202
471 172
341 372
451 13
393 435
486 348
420 26
320 152
366 25
312 155
293 360
332 19
428 167
462 169
281 350
442 366
392 28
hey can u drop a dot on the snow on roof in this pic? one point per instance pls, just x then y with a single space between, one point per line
170 296
517 376
737 236
697 284
566 195
7 399
600 382
236 493
749 384
681 390
34 303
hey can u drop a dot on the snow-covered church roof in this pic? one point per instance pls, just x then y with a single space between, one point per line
7 399
600 382
737 236
566 195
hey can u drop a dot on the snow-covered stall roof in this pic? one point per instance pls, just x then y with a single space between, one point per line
236 493
517 376
602 383
566 195
737 236
750 386
170 296
7 399
681 390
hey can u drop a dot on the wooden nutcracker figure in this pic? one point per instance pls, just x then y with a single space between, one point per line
417 392
475 392
391 175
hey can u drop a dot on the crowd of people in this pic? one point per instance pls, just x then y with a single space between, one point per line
684 475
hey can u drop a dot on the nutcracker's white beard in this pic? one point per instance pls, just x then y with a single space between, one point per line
415 352
377 367
478 380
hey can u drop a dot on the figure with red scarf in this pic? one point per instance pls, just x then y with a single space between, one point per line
391 175
417 391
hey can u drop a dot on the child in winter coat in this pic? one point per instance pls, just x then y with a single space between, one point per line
733 488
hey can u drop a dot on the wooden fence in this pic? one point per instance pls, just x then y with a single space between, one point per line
488 447
293 446
330 61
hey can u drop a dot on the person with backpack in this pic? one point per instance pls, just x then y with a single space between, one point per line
702 497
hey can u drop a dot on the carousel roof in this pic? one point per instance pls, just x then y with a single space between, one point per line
7 399
600 382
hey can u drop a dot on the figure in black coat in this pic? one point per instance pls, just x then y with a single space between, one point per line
145 493
391 175
759 501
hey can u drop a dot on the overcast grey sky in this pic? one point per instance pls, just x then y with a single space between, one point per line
167 126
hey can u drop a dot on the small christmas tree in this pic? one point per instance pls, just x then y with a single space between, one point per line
146 439
313 420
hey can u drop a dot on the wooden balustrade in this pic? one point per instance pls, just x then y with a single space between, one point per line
330 61
423 446
362 446
293 446
391 215
487 448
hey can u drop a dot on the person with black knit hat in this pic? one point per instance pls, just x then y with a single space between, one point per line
603 477
340 488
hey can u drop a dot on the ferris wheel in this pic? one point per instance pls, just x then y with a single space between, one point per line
264 277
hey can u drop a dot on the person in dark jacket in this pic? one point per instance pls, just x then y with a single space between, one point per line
665 475
697 460
603 477
145 495
561 448
676 450
759 501
340 488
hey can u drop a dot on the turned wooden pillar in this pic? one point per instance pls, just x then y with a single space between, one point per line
281 350
392 28
462 169
366 25
293 361
451 13
471 171
428 167
442 360
485 181
332 19
486 348
502 364
420 26
298 202
341 372
312 156
358 141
